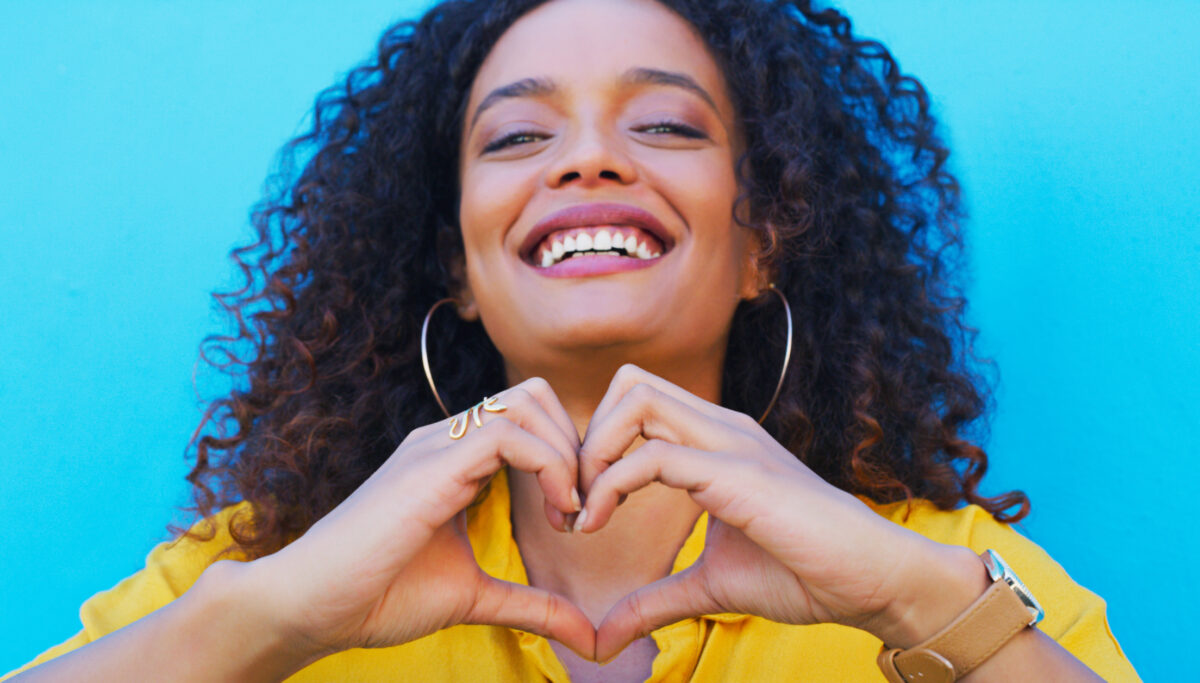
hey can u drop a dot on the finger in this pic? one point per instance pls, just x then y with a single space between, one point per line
484 450
535 402
533 406
541 390
557 519
652 414
524 405
536 611
630 375
666 601
676 466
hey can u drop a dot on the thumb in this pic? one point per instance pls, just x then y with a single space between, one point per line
653 606
500 603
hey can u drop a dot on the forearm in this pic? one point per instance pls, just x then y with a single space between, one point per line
219 630
945 586
1031 655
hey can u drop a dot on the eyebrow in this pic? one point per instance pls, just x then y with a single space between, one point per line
541 87
644 76
526 87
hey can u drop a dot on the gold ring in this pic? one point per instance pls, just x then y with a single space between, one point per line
491 405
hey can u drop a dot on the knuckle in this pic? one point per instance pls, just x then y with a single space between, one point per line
629 374
534 391
552 608
637 610
653 448
500 427
535 385
520 396
642 392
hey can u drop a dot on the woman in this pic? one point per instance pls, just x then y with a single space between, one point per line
708 155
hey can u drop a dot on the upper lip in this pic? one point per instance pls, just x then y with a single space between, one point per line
588 215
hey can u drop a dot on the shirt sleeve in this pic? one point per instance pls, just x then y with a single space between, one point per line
1075 616
171 569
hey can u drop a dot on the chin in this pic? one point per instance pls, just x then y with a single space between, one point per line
589 330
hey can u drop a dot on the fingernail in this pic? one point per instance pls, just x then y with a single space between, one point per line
569 524
580 521
575 500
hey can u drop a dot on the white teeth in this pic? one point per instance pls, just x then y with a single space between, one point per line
602 241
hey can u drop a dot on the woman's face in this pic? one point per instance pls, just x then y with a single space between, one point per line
602 125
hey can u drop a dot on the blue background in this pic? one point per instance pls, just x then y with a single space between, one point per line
135 136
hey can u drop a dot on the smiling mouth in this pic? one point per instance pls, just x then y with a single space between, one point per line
616 241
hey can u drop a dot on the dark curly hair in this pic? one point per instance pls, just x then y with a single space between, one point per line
843 176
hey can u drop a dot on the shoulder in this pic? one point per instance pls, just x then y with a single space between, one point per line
974 527
969 525
171 569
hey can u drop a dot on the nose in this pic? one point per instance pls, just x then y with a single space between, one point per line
591 158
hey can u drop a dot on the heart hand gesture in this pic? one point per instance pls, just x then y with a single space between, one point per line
782 543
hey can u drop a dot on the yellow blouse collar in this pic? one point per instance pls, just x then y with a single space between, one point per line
489 528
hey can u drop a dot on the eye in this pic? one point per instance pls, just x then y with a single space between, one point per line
520 137
668 127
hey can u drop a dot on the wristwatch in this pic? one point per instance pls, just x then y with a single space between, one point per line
1003 610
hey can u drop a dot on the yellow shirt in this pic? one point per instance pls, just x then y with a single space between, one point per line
712 648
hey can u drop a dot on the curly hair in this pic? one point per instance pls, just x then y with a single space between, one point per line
843 175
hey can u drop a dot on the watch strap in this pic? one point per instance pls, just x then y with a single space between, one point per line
951 653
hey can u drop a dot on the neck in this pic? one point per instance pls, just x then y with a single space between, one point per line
641 540
595 570
581 380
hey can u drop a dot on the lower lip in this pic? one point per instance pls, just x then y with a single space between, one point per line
601 264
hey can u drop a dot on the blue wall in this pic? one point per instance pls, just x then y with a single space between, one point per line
135 136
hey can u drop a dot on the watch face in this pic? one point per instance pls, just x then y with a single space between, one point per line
999 570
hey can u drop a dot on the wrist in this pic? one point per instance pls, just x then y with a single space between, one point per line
243 599
941 583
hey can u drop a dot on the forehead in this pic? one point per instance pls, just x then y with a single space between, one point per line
590 43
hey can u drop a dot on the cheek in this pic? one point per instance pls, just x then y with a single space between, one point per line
703 189
701 186
491 200
726 244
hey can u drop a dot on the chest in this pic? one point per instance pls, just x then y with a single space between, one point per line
633 664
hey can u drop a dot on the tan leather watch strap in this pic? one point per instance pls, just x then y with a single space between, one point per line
951 653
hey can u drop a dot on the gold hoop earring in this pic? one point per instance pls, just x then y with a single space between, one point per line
787 353
425 355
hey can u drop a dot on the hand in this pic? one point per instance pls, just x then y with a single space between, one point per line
782 543
392 563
